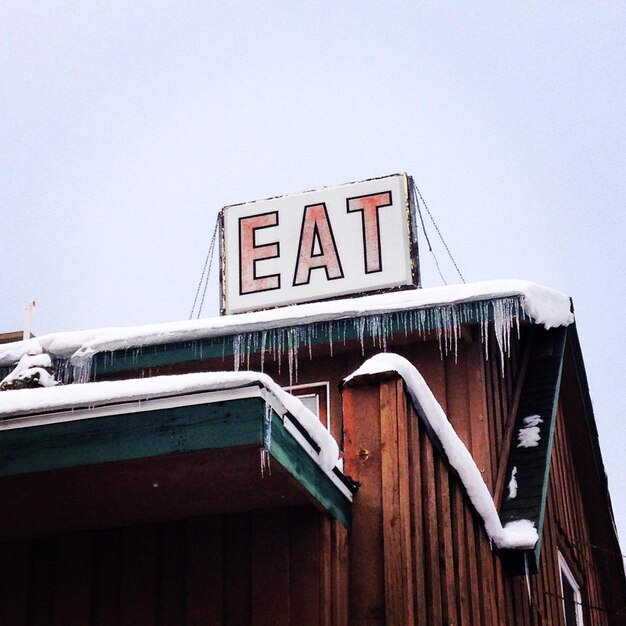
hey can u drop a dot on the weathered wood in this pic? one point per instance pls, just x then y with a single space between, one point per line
396 511
446 557
417 532
431 523
138 576
41 582
362 462
132 436
325 560
106 577
322 492
204 571
237 569
339 574
14 574
304 575
269 569
73 584
171 574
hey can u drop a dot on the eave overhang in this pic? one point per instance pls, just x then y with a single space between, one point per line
529 460
162 458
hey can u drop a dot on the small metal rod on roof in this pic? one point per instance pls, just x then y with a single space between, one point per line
28 316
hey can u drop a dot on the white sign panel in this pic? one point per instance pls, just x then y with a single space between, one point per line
317 245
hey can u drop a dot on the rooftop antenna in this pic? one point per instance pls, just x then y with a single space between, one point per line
28 316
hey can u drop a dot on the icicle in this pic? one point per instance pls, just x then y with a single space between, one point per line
263 340
267 441
81 368
329 330
527 577
236 352
292 354
248 341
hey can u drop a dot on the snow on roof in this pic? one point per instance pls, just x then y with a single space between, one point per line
23 402
543 305
519 534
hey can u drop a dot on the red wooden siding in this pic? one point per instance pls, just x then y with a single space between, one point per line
430 549
275 567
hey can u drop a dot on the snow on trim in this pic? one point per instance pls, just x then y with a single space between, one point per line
30 401
520 534
543 305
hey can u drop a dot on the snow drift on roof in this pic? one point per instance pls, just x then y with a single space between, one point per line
543 305
515 535
32 401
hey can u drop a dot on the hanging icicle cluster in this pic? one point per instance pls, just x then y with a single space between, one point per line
289 343
445 321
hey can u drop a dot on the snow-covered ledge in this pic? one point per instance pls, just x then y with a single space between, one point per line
544 306
19 403
520 534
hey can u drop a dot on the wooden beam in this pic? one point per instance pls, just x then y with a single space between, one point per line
396 504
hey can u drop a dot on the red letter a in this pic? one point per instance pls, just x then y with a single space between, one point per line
317 246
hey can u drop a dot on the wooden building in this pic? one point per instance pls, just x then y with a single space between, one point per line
164 483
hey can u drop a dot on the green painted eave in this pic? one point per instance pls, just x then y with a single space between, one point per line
163 432
539 396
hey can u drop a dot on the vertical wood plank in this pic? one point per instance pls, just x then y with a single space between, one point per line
72 598
477 409
106 577
204 572
270 568
14 572
448 573
138 576
304 566
431 536
460 555
472 566
237 595
339 575
366 582
420 599
41 581
325 546
396 522
171 574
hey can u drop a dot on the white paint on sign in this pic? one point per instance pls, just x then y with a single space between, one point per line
316 245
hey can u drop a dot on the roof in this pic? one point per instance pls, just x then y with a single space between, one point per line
543 305
440 309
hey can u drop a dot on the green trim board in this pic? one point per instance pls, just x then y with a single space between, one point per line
163 432
539 397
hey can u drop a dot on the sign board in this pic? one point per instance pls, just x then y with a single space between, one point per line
318 245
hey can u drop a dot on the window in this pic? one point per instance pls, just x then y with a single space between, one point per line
316 398
572 598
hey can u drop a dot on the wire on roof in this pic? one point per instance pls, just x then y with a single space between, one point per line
417 195
204 277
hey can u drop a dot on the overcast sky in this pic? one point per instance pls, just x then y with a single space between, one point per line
126 126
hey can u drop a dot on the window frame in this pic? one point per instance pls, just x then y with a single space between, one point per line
566 570
321 390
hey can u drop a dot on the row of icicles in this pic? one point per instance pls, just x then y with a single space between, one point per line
290 342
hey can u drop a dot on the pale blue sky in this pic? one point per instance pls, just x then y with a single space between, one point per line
125 126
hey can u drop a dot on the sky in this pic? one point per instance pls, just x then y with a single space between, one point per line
125 127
